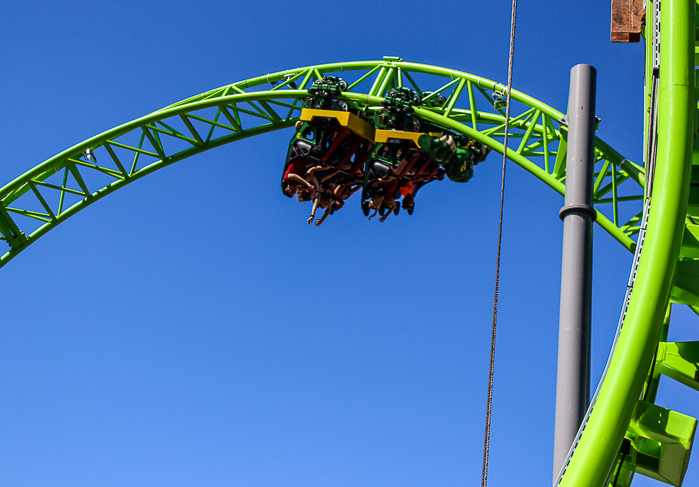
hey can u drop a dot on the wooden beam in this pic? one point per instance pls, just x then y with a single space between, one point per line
626 20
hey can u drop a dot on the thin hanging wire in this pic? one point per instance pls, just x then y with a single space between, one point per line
486 443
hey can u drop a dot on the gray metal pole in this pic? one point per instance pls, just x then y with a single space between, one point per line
578 215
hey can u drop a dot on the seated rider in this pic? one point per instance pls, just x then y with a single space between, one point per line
297 160
382 179
332 191
347 189
409 194
304 159
407 190
383 201
325 145
322 200
293 179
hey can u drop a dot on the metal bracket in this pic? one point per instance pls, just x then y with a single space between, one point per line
581 208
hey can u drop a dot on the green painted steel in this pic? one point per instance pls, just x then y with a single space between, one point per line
599 445
680 361
53 191
660 442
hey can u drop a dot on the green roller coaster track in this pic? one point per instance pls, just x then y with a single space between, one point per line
667 269
53 191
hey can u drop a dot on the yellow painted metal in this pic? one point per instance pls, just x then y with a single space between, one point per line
362 128
346 119
387 135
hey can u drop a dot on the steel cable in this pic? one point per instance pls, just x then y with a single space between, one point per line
489 406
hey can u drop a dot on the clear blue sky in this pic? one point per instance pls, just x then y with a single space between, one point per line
192 330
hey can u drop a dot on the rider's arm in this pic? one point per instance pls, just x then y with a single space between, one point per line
316 202
298 179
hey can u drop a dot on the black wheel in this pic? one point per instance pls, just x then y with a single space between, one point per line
343 85
381 118
342 105
414 124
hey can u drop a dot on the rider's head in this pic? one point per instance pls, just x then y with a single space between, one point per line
375 202
290 190
408 201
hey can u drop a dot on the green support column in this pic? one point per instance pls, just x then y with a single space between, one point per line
596 452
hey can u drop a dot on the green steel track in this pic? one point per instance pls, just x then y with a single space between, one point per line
56 189
53 191
612 447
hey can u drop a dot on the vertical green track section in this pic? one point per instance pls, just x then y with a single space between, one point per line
596 453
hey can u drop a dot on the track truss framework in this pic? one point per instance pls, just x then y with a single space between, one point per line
56 189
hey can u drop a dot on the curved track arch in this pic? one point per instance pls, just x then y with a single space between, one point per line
56 189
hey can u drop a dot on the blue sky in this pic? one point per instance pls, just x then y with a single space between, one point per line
191 329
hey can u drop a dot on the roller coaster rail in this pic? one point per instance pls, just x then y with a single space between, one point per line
53 191
56 189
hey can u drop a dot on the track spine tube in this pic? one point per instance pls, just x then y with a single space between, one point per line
596 453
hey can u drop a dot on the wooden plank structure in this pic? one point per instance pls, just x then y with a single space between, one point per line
626 20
